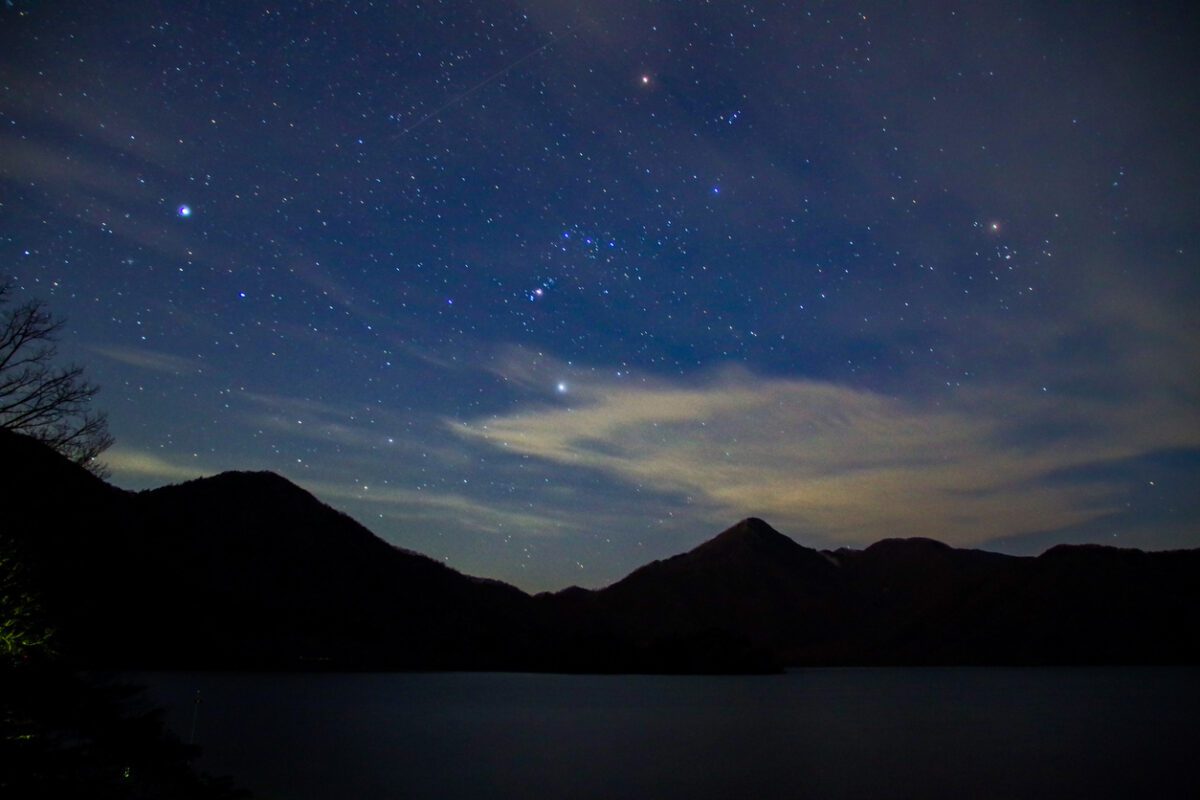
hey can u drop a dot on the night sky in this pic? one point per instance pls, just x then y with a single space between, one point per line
548 290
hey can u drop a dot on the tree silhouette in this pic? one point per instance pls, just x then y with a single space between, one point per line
37 397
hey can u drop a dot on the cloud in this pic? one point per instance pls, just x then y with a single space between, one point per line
137 465
150 359
348 426
436 507
846 464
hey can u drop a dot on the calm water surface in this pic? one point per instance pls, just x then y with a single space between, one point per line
843 733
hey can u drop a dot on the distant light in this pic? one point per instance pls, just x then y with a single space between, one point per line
645 79
562 387
184 211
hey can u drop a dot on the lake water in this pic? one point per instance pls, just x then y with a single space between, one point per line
838 733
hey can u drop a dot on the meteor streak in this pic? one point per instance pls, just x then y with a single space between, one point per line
459 97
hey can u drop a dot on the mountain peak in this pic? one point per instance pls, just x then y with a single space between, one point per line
241 484
750 535
750 527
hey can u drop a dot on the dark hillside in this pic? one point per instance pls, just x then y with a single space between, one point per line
248 570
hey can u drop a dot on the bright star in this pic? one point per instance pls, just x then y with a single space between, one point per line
184 211
645 79
562 387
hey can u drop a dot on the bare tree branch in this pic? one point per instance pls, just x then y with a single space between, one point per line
40 399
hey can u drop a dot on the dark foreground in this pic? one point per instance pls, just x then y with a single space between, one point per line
249 571
816 733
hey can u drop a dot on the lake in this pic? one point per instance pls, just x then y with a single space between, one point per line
814 733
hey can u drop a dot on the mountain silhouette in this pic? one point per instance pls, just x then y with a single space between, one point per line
242 569
751 585
247 570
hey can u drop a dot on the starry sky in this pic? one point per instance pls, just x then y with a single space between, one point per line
547 290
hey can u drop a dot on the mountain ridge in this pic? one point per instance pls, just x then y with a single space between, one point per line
249 570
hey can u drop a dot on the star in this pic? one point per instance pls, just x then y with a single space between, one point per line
844 250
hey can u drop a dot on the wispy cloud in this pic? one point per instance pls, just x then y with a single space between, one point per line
356 426
439 507
846 464
150 359
136 466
